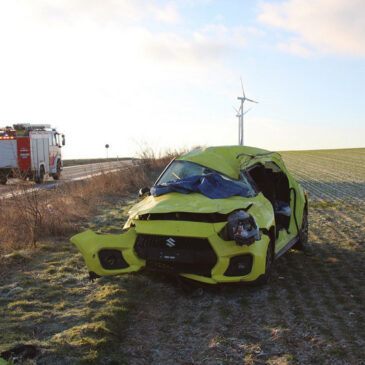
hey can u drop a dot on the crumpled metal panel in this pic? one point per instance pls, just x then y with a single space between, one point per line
222 159
194 203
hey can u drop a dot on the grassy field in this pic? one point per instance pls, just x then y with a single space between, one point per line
312 311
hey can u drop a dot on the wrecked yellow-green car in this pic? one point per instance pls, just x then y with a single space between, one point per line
215 215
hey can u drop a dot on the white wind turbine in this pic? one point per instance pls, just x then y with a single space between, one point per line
238 115
241 113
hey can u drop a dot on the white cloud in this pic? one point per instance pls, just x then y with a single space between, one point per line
171 48
206 46
167 14
29 23
295 46
326 26
235 36
99 81
101 11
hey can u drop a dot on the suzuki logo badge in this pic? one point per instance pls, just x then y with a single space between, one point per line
170 242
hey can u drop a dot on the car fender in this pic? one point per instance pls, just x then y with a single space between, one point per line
89 243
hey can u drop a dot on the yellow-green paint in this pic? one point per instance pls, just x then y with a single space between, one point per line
222 159
197 203
89 243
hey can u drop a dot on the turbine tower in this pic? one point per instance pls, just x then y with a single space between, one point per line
241 113
238 115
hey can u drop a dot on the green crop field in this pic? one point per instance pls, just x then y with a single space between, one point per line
312 311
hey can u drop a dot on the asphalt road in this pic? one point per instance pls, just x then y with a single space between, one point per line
71 173
80 172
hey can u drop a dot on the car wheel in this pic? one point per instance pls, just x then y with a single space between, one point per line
3 179
264 278
302 243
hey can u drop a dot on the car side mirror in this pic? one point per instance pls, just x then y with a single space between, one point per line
143 192
63 140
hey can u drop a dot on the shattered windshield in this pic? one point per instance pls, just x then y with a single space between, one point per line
183 169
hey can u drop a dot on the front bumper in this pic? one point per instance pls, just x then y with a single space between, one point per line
90 244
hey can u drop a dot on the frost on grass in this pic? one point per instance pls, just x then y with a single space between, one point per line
311 312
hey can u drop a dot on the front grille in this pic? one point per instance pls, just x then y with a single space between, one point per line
176 254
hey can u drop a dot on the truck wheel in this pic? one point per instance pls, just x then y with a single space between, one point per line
3 179
39 178
57 175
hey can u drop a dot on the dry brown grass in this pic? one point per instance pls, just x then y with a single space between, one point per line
30 215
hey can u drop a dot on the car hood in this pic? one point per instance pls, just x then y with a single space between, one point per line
191 203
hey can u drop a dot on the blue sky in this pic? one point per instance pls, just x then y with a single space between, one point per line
167 73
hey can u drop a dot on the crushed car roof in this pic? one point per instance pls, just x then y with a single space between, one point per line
224 158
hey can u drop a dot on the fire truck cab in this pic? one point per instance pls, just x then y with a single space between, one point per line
30 151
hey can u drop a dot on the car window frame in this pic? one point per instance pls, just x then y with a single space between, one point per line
246 171
265 165
249 179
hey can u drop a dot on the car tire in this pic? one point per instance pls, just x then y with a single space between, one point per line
269 261
3 179
302 243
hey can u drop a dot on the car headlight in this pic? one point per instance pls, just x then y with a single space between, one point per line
242 228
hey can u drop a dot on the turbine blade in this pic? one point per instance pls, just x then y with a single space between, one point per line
252 101
247 111
235 109
243 91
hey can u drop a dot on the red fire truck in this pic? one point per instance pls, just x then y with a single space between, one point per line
30 151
